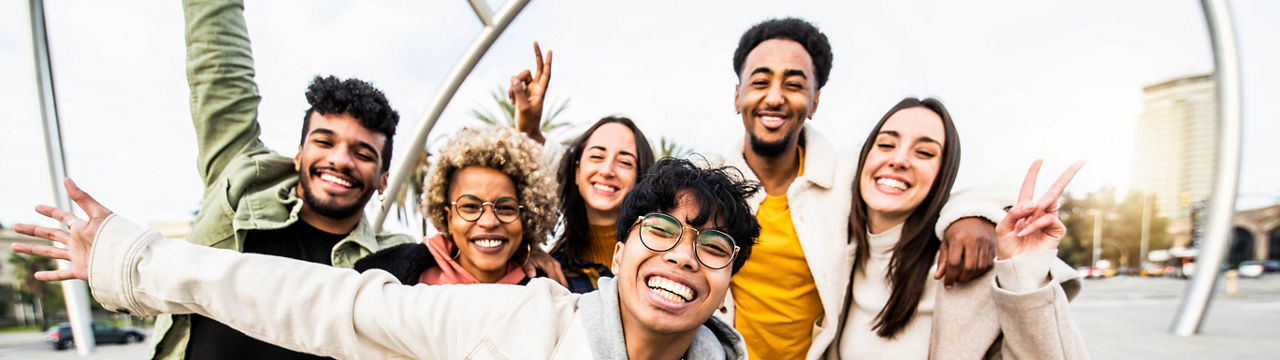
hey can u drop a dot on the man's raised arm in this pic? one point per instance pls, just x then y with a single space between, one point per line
224 98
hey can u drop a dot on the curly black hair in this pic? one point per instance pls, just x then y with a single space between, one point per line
720 191
814 42
329 95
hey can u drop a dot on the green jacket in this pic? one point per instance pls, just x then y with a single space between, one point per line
247 186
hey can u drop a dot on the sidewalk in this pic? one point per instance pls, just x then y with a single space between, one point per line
1129 318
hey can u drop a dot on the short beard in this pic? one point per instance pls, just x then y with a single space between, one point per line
768 149
331 209
334 211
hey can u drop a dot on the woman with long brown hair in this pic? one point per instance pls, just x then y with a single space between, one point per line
907 167
595 172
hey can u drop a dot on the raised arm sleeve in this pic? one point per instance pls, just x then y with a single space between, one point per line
224 97
987 202
1031 295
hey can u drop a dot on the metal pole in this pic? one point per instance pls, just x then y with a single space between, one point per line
1097 238
459 73
1146 232
1226 175
75 292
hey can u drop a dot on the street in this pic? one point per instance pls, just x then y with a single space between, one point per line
1120 318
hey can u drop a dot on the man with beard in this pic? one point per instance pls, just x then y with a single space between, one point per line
310 207
787 300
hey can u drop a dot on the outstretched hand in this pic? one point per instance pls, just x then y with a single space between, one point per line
1033 225
527 92
78 241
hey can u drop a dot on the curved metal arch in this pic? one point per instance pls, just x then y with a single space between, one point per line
1227 177
494 25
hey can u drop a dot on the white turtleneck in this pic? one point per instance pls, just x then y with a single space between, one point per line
871 289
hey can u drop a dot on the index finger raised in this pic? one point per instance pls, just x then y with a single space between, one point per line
1050 197
1028 191
537 54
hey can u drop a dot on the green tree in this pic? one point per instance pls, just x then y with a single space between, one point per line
35 292
1121 227
668 148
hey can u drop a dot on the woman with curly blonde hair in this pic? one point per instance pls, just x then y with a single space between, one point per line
494 203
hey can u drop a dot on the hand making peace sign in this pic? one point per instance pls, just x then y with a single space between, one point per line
527 92
1033 225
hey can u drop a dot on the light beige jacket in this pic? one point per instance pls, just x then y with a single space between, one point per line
820 204
1017 311
337 312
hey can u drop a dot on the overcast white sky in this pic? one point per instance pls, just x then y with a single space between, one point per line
1061 81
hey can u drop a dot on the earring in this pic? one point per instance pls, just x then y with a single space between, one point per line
528 250
382 197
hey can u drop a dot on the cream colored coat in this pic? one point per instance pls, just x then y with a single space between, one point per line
820 204
1017 311
340 313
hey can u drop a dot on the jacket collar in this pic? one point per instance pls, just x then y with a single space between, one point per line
819 160
714 339
279 208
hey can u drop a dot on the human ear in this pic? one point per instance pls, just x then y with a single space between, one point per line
814 108
617 258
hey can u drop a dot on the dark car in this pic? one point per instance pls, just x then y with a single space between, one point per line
60 335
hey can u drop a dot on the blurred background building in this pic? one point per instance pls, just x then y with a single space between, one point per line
1176 149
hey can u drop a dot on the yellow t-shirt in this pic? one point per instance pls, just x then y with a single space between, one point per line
775 299
603 241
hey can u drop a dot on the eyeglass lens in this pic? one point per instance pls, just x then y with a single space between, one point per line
470 208
661 232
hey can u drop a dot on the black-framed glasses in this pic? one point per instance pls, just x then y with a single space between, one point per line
661 232
470 208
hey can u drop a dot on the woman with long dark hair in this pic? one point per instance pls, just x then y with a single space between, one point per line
595 172
907 167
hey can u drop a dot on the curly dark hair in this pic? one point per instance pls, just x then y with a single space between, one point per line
328 95
814 42
720 191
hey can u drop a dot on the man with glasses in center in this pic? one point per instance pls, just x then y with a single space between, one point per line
692 230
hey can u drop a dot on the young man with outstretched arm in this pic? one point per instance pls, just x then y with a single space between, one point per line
309 207
689 231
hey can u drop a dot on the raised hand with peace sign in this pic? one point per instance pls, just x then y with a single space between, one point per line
527 92
1033 225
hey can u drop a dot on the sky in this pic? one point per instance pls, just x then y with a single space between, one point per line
1023 80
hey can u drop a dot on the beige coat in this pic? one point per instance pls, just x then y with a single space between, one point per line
340 313
820 203
1017 311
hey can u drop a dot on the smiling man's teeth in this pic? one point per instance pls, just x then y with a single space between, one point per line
603 187
489 243
335 180
671 290
772 120
892 184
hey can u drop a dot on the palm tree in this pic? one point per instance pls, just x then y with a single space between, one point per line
507 114
670 149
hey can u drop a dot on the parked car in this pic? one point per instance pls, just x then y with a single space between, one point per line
1253 269
60 335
